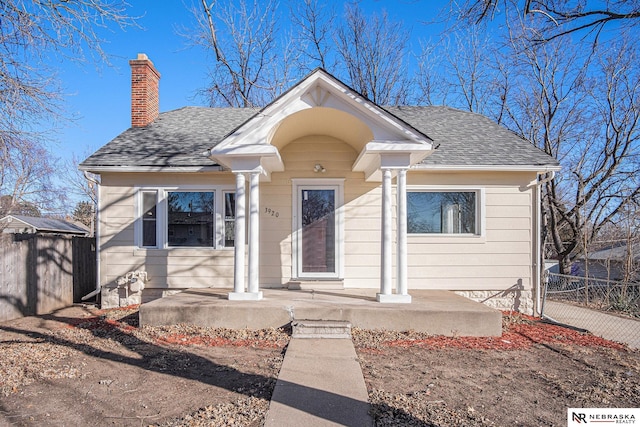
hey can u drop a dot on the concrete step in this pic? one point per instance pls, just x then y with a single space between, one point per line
317 285
431 311
321 329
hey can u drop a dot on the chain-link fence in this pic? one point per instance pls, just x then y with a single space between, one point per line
604 307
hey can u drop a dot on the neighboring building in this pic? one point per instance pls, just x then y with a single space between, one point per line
21 224
612 263
327 189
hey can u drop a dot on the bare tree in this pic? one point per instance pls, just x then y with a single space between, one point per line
31 34
586 114
373 50
9 206
548 106
84 212
76 182
26 178
430 83
608 177
314 23
558 17
242 37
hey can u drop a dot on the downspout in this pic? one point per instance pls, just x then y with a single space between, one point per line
96 234
539 263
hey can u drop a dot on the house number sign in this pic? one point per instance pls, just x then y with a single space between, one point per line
271 212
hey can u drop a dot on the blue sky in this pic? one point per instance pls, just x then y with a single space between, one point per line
99 96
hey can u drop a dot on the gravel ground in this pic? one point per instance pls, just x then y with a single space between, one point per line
99 368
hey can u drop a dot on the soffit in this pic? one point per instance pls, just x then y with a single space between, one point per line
322 121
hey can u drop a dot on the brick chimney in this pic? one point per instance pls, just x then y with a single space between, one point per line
145 101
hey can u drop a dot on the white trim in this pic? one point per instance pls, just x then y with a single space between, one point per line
537 250
336 184
253 279
137 223
481 213
162 215
98 169
386 235
320 89
401 233
377 155
239 249
98 234
488 168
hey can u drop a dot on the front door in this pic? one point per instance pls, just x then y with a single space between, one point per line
317 231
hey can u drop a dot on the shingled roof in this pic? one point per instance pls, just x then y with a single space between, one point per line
45 225
179 138
463 138
176 138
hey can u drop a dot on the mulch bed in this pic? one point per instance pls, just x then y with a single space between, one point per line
519 332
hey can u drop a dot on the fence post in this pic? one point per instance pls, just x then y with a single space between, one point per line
545 281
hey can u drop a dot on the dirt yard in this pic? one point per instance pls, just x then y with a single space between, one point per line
527 377
83 366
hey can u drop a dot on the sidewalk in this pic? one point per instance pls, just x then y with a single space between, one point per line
320 384
616 328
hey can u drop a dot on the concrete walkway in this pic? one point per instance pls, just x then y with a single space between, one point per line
320 384
615 328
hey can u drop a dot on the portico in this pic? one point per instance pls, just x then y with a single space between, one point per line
386 148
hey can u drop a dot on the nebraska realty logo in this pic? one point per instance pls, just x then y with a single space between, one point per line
602 416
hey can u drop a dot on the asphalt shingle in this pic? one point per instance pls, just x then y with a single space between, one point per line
175 138
49 224
179 138
467 139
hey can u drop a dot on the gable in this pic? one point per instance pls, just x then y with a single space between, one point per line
321 103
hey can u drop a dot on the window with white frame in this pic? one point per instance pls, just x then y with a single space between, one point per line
442 212
229 218
185 218
190 219
149 218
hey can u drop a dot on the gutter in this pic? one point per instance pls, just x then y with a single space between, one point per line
96 234
487 168
164 169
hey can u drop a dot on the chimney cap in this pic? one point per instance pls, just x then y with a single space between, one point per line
142 56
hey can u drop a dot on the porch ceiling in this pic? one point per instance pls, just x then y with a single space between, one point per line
322 121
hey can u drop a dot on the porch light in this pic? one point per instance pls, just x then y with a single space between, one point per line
319 168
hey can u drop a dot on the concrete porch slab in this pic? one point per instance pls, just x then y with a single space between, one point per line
431 311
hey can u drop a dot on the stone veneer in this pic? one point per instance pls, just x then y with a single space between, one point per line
112 296
509 300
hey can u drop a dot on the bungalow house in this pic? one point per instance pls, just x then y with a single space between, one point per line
322 188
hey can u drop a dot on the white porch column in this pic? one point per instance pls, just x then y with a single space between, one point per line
401 251
239 238
386 274
239 292
385 250
254 235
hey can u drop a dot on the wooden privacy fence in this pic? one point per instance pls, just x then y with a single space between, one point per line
42 273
